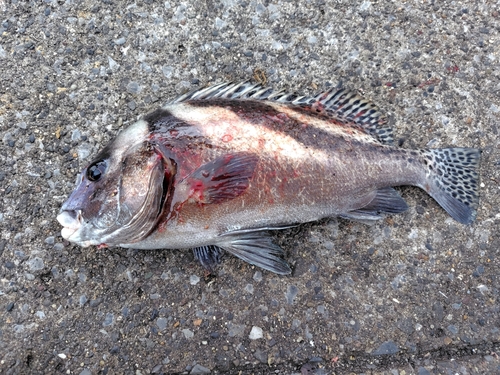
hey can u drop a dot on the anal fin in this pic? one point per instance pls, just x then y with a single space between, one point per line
256 248
386 200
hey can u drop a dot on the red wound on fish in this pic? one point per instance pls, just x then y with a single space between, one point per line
222 179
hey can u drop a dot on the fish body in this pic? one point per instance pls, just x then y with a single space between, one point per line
217 168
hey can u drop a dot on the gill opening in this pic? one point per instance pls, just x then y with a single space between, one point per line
168 183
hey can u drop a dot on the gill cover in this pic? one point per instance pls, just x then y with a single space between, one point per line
119 199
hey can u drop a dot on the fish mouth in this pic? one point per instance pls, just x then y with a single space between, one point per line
71 222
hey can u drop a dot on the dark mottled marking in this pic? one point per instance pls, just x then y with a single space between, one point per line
162 119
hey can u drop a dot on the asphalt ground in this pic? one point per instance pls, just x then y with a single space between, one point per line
416 293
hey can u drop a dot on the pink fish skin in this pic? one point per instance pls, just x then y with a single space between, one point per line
218 168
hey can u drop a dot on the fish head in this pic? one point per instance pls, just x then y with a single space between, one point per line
119 196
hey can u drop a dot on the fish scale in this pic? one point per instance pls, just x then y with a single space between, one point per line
218 168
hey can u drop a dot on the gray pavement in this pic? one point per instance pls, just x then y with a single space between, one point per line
416 293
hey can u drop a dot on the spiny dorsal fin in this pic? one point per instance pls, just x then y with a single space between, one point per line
340 104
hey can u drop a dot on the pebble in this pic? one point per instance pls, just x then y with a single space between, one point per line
84 151
388 347
59 246
95 302
479 271
453 329
312 39
19 254
199 370
108 320
156 369
256 333
219 24
76 135
235 329
161 323
120 41
257 276
10 306
291 293
134 88
113 65
188 334
194 279
82 277
36 264
167 71
262 356
182 87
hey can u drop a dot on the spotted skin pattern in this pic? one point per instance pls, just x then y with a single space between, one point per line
453 172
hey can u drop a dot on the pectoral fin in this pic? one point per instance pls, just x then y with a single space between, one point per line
222 179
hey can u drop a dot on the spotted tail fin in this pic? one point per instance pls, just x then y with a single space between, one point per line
452 180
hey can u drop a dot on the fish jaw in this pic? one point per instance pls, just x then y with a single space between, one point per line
71 222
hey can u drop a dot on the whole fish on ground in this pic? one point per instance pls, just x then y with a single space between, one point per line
218 168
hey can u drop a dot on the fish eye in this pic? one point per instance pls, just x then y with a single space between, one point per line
96 170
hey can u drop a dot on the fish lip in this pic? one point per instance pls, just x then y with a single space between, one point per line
71 222
66 233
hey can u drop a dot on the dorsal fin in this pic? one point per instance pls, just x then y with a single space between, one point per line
344 106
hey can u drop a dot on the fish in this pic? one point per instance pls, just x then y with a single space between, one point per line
218 169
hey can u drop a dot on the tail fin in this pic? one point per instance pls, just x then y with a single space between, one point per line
452 180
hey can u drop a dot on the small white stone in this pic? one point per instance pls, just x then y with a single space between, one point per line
365 6
62 355
193 280
256 333
482 288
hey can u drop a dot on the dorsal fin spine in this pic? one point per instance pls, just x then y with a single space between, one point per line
343 106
